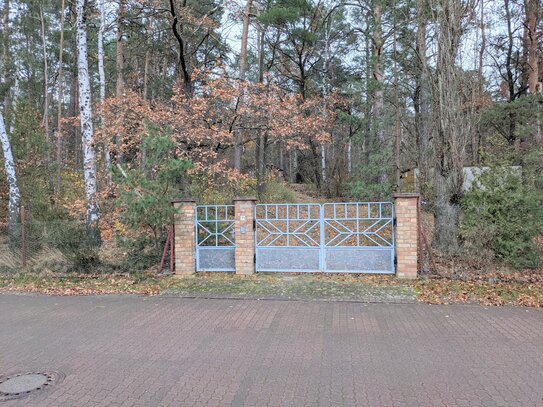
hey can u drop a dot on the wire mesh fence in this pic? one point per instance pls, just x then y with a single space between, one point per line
58 246
62 246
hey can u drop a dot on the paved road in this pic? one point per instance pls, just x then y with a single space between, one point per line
136 351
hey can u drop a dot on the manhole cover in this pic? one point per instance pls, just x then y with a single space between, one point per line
22 384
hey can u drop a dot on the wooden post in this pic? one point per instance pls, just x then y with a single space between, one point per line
23 236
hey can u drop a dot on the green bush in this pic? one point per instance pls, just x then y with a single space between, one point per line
78 243
503 213
146 192
277 191
142 253
366 184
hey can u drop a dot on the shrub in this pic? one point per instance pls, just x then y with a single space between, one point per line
277 191
366 183
502 213
146 191
78 243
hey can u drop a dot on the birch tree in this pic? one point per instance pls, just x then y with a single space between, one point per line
85 113
9 167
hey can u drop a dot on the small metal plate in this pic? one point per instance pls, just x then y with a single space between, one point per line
19 385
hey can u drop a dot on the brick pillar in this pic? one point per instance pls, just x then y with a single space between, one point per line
245 235
407 234
185 236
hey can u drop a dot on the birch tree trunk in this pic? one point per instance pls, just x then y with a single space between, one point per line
58 135
4 64
85 112
9 167
102 75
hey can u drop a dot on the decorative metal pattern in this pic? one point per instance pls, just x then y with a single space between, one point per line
358 224
355 237
359 237
215 240
288 237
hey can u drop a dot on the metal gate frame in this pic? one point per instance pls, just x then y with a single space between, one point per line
215 239
314 237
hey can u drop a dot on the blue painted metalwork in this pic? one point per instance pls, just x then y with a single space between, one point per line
288 237
358 237
354 237
215 240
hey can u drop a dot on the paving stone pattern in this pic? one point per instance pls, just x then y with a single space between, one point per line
153 351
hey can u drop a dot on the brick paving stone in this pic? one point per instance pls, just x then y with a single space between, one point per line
156 351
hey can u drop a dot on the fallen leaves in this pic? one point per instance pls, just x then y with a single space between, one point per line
83 285
496 289
480 291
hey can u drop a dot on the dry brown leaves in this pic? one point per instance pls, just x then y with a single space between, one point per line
83 285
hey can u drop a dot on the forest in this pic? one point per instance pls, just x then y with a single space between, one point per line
111 109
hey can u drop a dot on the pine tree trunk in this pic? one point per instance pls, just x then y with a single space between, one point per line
119 65
119 61
11 177
147 60
532 9
50 181
532 16
450 139
423 105
379 94
58 136
102 76
85 109
238 147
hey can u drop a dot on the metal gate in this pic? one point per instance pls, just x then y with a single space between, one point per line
355 237
215 240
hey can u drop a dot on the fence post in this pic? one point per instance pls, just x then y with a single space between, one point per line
23 235
245 235
407 234
184 248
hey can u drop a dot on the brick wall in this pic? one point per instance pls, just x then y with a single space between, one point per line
245 235
185 236
407 235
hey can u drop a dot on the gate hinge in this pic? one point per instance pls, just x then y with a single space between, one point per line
254 258
254 224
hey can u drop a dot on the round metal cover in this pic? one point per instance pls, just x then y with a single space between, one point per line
22 384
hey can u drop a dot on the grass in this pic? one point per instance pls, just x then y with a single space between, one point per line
332 287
